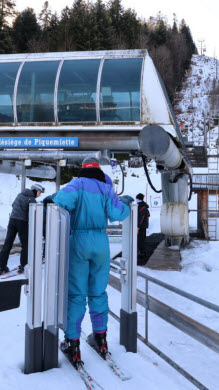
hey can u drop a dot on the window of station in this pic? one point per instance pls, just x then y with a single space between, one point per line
8 73
77 91
35 96
120 90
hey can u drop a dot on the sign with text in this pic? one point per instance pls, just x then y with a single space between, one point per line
38 142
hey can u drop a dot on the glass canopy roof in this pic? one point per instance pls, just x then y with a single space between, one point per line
71 90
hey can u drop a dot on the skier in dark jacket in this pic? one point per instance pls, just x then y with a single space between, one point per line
18 223
143 222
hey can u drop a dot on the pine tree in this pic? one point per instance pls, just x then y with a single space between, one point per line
174 28
131 29
6 45
7 9
143 35
64 34
80 25
25 29
45 16
52 31
161 33
185 30
102 28
190 45
116 13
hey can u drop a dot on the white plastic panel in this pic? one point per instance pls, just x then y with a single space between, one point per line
154 108
56 271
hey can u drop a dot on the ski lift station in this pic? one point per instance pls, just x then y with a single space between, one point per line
59 107
55 109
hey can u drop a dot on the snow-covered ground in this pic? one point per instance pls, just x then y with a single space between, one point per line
199 275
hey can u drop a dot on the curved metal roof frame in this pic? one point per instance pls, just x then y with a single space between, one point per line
154 106
73 55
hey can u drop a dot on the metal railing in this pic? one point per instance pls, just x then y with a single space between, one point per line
194 329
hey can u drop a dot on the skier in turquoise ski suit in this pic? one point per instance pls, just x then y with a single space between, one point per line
91 202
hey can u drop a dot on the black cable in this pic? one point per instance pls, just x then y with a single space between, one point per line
147 175
190 184
178 176
123 179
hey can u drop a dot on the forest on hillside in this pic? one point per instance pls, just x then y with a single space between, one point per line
100 25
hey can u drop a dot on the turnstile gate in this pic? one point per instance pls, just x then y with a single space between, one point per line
41 333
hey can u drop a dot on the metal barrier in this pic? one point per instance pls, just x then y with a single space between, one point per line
128 277
194 329
41 333
34 328
41 339
56 281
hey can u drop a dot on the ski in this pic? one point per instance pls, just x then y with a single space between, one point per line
89 382
7 273
12 273
121 374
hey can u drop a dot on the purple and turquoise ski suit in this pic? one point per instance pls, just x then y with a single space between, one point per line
90 203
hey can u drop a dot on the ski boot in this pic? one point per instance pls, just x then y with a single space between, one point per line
4 270
99 343
72 349
20 269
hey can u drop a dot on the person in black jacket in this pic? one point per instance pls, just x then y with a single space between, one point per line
143 223
18 223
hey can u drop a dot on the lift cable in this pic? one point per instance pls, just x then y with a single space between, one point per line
147 175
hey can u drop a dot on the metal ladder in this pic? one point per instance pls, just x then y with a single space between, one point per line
213 192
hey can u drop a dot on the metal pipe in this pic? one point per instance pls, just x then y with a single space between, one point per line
47 155
146 310
156 143
15 168
23 177
58 177
192 297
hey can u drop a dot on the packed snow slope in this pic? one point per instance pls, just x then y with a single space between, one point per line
193 100
199 275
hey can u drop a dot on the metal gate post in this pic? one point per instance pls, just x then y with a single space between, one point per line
33 329
23 176
56 281
128 314
51 290
58 176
